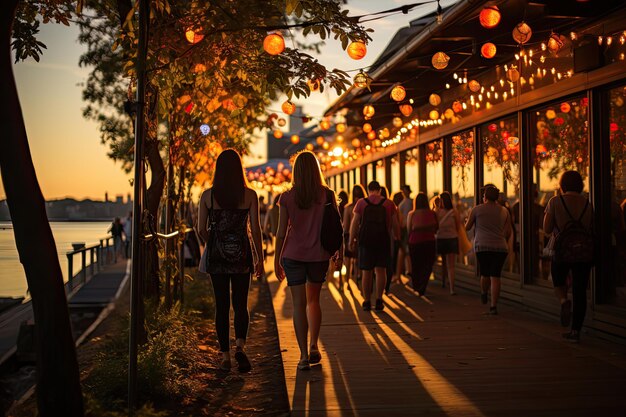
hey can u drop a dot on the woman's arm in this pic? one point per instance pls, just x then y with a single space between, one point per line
203 214
470 221
283 222
548 218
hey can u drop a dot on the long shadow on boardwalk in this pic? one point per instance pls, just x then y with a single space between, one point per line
440 356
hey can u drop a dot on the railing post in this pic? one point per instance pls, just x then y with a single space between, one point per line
100 257
91 261
70 270
83 272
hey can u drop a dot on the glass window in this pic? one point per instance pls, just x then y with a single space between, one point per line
501 167
462 163
616 281
370 175
561 143
412 171
395 174
380 172
434 168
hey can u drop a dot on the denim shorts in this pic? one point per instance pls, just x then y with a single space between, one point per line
301 272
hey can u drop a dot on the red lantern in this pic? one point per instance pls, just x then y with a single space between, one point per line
492 127
614 127
565 107
288 107
489 17
406 109
559 121
457 107
274 44
488 50
357 50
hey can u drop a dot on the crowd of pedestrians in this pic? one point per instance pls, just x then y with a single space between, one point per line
384 240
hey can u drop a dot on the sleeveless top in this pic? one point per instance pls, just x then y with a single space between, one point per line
447 224
232 229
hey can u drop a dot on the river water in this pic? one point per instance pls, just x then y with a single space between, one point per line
12 277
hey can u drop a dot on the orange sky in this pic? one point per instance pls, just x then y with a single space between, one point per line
70 159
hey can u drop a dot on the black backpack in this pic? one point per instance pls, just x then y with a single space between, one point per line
574 244
373 232
331 235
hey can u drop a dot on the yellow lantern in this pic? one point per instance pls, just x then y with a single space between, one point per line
324 125
295 139
341 127
314 85
474 86
406 109
309 147
371 135
440 60
434 115
325 145
274 44
356 143
288 107
555 43
368 111
512 74
434 100
488 50
320 140
448 114
489 17
398 93
522 33
377 143
397 122
357 50
192 36
361 80
278 134
457 107
367 128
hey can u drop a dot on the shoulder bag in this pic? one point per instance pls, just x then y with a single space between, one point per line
331 235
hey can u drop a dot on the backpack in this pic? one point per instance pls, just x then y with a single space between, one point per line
331 235
574 244
373 232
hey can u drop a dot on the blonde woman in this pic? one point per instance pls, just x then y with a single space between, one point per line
300 257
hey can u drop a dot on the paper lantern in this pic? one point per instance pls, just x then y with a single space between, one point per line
367 128
565 107
193 36
281 122
320 140
474 86
205 129
550 114
339 138
356 143
377 143
512 74
326 145
314 85
357 50
397 122
288 107
406 109
440 60
385 133
398 93
274 44
361 80
492 127
309 147
368 111
434 100
488 50
555 43
522 33
371 135
341 127
295 139
324 125
278 134
448 114
457 107
434 115
489 17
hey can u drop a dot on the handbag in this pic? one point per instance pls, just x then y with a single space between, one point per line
331 235
465 245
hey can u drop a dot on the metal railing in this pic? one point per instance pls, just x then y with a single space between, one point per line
100 254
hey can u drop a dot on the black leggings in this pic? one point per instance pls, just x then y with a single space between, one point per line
222 290
580 282
423 257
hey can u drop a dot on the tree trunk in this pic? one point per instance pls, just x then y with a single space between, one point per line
58 380
153 200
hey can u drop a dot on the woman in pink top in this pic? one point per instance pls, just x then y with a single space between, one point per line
422 224
300 256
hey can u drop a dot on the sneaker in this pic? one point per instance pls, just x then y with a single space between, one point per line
483 298
367 306
566 313
242 361
572 336
379 305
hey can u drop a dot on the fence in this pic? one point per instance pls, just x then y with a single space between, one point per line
100 254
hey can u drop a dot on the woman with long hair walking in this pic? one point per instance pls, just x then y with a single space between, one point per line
422 225
226 211
300 256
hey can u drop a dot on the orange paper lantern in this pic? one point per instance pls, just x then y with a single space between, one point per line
368 111
512 74
434 100
341 127
397 122
488 50
371 135
288 107
406 109
320 140
278 134
398 93
367 128
440 60
357 50
356 143
474 86
309 147
274 44
555 43
489 17
457 107
434 115
324 125
361 80
522 33
295 139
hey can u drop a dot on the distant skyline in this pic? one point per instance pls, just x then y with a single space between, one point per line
69 157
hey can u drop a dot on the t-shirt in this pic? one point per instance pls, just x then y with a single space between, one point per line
420 218
405 207
447 224
490 222
389 206
575 204
302 242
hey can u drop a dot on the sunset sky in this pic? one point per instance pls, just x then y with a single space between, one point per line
70 159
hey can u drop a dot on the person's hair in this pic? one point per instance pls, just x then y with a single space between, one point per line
491 193
229 180
373 186
446 200
398 197
343 198
384 192
406 189
420 202
357 193
307 180
571 181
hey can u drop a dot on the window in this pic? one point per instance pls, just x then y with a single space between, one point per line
434 168
412 172
462 162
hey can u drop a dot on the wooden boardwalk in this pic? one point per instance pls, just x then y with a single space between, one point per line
440 356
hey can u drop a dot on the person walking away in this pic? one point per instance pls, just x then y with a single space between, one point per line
393 274
403 264
375 224
422 225
117 231
128 233
300 256
447 238
229 208
343 202
352 267
492 223
569 216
